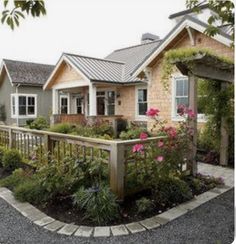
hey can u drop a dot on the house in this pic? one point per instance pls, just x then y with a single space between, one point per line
21 92
128 81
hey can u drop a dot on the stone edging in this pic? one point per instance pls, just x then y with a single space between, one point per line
41 219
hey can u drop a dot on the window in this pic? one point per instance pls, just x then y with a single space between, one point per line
142 101
64 105
79 105
110 103
23 105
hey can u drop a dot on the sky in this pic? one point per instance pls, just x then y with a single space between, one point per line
86 27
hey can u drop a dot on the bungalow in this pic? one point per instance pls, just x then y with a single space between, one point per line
21 92
128 81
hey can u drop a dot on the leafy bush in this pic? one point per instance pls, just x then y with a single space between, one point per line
39 124
62 128
132 133
169 190
2 151
11 159
30 191
99 204
144 205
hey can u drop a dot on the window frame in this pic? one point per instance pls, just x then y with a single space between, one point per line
15 96
137 115
175 116
64 97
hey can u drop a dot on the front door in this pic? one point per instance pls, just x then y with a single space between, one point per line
101 105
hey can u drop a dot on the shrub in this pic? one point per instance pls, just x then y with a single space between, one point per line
62 128
132 133
2 151
30 191
16 178
144 205
169 190
39 124
99 204
11 159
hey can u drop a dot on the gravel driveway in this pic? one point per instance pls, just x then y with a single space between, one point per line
212 222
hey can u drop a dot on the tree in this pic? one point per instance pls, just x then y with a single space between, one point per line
224 17
16 10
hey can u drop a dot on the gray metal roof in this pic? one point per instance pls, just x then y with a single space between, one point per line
97 69
133 57
26 73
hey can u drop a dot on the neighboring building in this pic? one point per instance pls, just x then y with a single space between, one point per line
127 81
21 92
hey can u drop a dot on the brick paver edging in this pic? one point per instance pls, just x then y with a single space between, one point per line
41 219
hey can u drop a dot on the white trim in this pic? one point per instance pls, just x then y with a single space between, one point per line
28 116
3 65
61 60
71 84
137 116
186 23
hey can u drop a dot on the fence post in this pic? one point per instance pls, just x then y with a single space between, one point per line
117 159
48 145
10 138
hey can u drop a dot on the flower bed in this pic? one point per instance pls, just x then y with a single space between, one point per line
77 191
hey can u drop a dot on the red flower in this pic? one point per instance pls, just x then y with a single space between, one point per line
160 158
138 148
181 109
152 112
160 143
191 114
171 131
143 136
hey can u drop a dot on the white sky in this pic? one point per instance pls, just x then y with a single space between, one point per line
87 27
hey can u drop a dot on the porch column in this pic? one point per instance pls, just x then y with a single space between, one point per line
55 101
193 105
69 103
92 100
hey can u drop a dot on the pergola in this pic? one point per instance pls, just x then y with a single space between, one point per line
210 67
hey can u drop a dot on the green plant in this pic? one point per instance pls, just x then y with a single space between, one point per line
144 205
39 124
2 151
31 191
99 204
132 133
11 159
62 128
171 190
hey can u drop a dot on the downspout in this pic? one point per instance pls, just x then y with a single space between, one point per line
17 103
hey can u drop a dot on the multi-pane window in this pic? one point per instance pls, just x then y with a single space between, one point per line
110 103
64 105
181 92
23 105
79 105
142 101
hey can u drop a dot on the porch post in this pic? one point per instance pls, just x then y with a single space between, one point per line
193 105
92 100
224 140
55 100
69 103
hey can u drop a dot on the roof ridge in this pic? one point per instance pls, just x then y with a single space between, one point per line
26 62
143 44
101 59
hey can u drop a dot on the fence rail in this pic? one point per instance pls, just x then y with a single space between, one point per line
117 154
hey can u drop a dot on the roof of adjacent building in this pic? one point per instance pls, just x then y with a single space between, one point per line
188 11
26 73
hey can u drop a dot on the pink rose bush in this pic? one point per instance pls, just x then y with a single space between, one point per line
166 156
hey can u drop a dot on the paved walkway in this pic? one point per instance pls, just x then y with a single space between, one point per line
212 222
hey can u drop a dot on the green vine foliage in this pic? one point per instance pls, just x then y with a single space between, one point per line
183 54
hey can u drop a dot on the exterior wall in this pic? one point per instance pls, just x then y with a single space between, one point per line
160 98
44 100
64 74
5 99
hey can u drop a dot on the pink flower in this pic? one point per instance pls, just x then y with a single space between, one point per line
152 112
143 136
191 114
138 148
181 109
171 131
160 158
160 143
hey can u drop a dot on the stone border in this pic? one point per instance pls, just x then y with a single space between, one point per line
41 219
